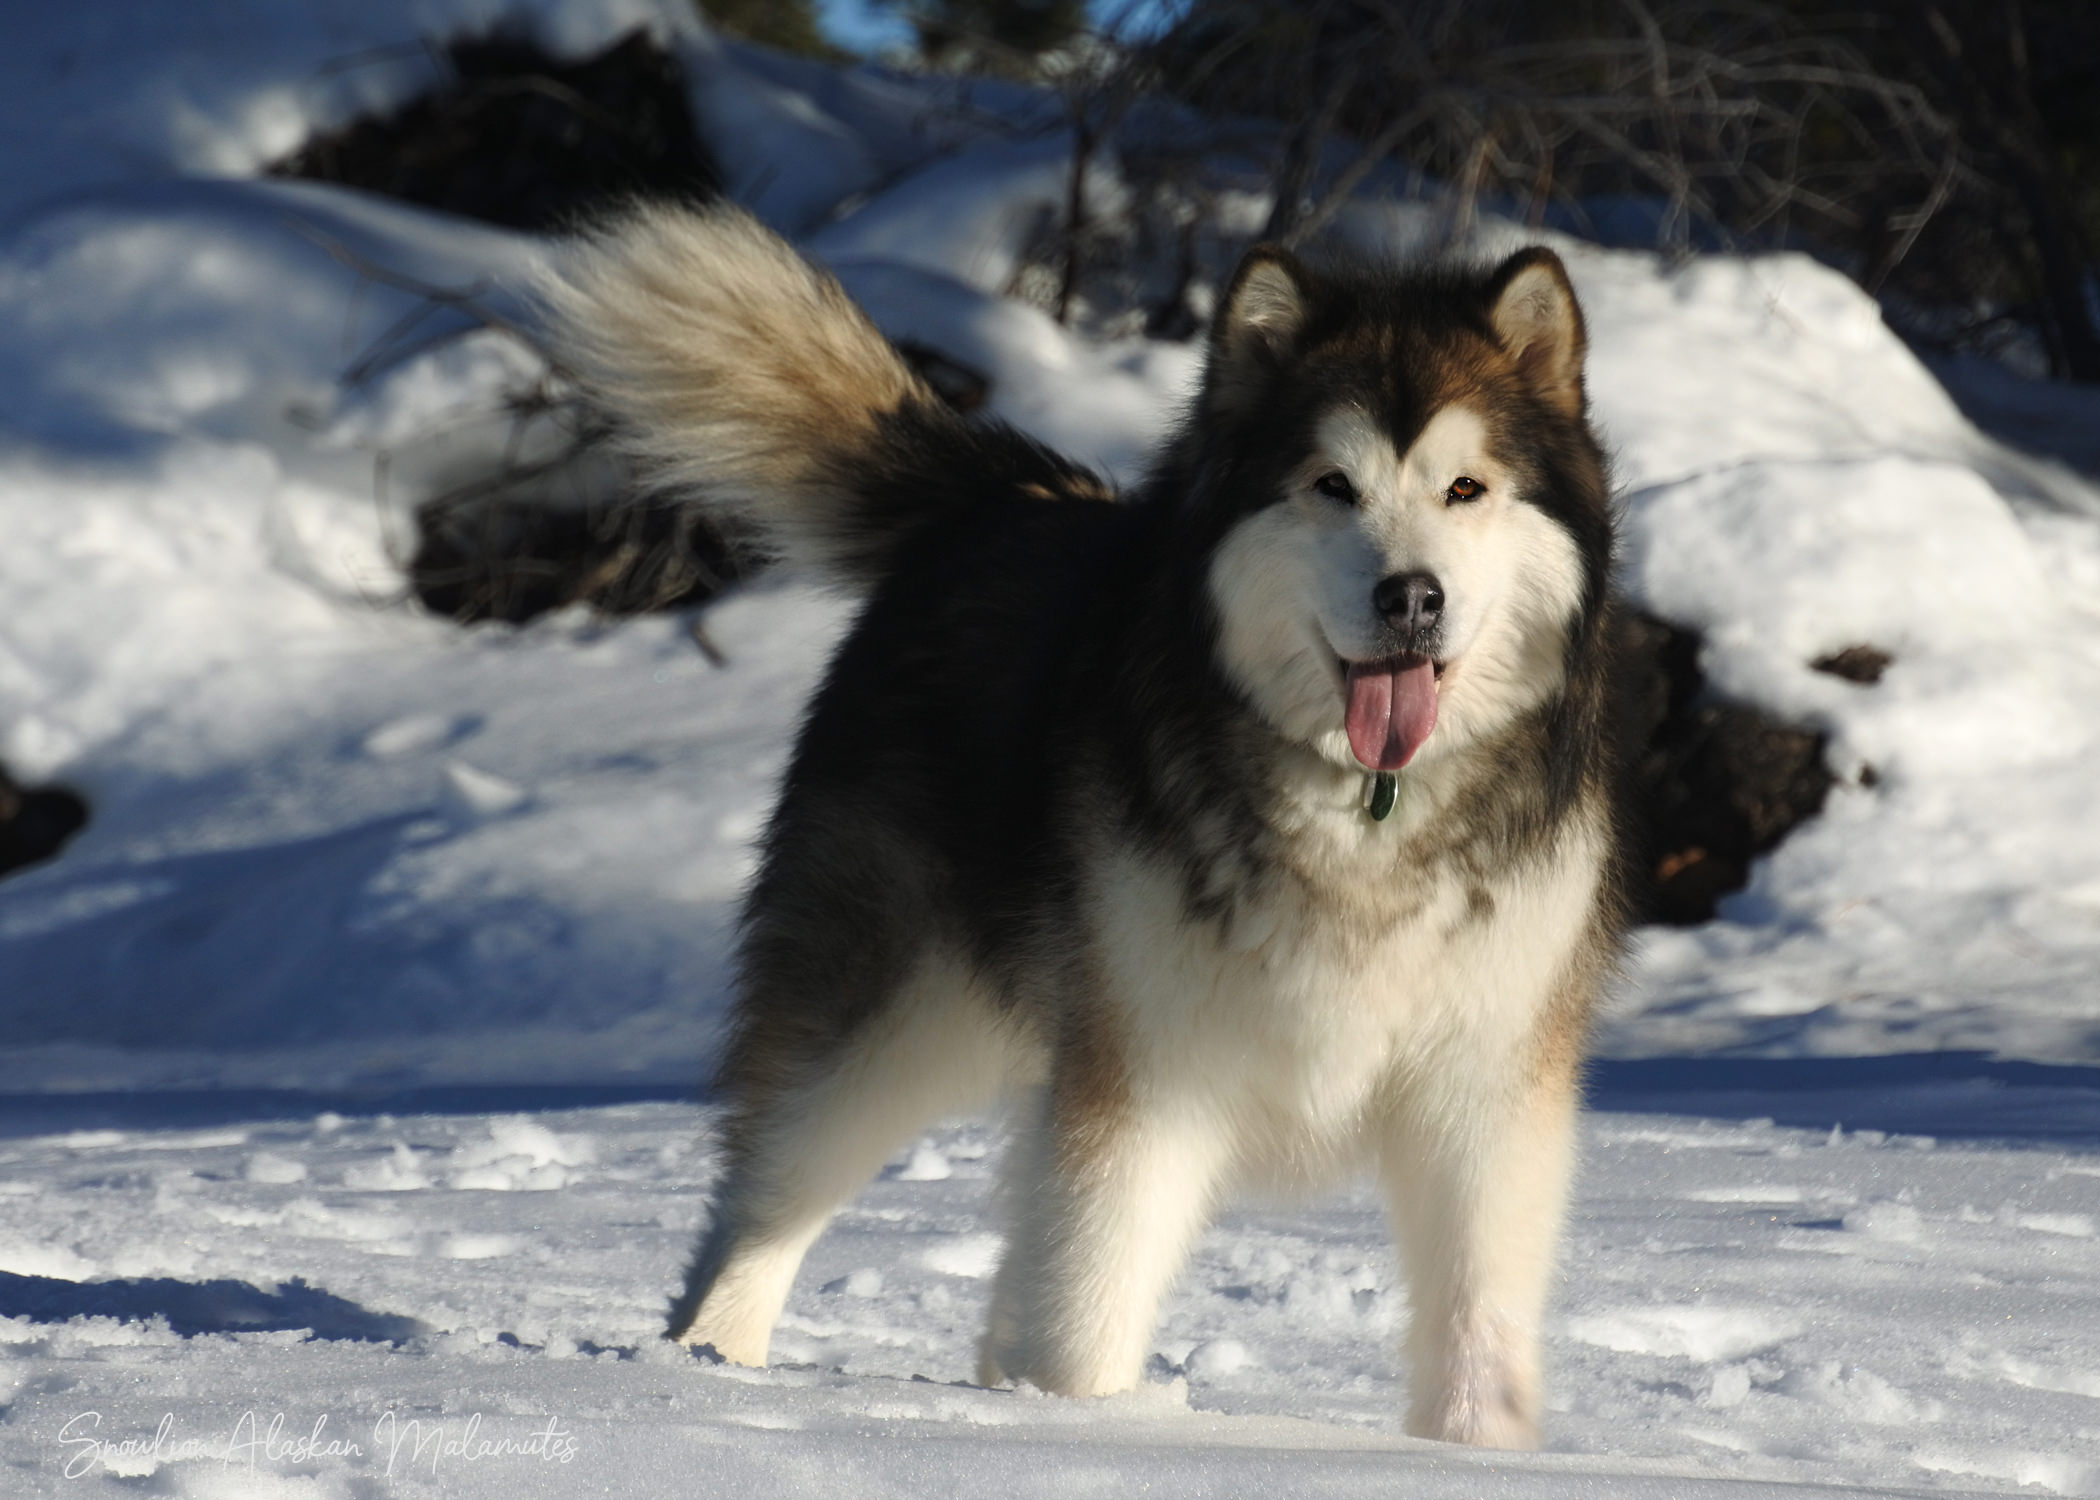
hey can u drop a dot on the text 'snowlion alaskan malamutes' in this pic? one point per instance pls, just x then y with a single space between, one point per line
1256 826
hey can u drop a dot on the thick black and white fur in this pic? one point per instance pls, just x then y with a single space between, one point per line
1075 818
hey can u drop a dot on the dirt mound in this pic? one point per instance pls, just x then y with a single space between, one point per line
517 137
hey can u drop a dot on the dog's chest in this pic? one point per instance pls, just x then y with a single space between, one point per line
1296 1017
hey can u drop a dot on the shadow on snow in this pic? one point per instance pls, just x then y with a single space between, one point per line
1953 1095
193 1307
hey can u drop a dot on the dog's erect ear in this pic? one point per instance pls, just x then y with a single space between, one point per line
1267 300
1257 320
1533 307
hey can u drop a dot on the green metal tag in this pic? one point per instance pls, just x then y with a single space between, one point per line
1381 791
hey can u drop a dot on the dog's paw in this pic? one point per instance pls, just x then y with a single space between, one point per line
1490 1423
989 1371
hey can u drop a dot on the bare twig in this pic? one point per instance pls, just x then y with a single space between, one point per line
431 297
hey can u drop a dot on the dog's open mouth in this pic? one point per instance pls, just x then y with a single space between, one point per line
1389 707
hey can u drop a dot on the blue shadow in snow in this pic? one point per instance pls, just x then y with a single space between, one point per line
193 1307
193 1109
1956 1095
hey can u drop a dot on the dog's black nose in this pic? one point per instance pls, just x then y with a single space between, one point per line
1409 602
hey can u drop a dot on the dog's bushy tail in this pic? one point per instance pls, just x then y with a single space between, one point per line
741 374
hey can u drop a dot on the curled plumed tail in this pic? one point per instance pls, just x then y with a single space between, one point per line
744 376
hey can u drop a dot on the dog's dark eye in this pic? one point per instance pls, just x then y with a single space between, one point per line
1336 486
1465 489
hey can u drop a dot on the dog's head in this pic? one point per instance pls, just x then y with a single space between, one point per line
1412 529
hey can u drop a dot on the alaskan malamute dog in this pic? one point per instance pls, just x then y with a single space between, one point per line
1256 826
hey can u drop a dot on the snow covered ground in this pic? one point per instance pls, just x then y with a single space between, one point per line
348 859
1714 1337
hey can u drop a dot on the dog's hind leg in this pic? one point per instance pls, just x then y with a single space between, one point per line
811 1118
1478 1186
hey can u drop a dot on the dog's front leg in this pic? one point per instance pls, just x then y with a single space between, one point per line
1107 1188
1478 1187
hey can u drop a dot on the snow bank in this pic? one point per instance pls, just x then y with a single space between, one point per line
136 91
1796 483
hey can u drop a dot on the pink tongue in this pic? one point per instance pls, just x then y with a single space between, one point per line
1391 711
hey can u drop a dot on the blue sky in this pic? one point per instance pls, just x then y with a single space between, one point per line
868 27
860 25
